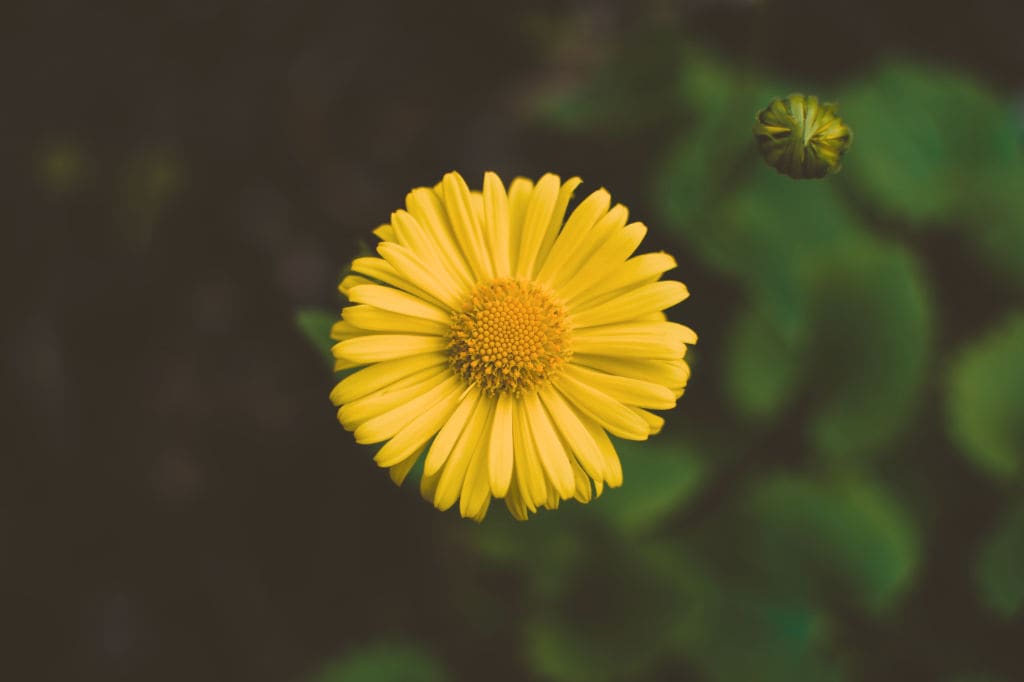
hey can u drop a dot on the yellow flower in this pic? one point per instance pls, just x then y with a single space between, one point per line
508 345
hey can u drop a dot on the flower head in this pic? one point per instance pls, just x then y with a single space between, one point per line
507 345
801 137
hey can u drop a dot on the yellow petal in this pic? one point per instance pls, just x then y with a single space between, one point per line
594 284
582 220
374 319
625 389
413 435
519 193
514 502
420 240
654 422
386 425
535 225
581 252
557 219
641 330
385 233
363 350
399 472
426 206
606 411
353 414
446 438
549 448
574 433
496 222
453 474
528 472
476 491
670 373
432 280
468 233
648 298
397 301
350 281
501 446
380 270
342 330
583 490
612 465
381 375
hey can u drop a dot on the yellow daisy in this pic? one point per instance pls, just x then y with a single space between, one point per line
508 345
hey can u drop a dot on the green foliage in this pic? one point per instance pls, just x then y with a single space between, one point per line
927 142
315 324
751 634
622 609
762 367
658 478
851 536
384 662
706 155
986 401
1000 567
872 331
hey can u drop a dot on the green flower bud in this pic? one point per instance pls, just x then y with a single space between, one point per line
799 136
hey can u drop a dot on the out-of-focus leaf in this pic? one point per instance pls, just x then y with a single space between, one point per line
753 635
762 366
851 536
1000 569
871 344
995 226
557 536
926 141
659 477
384 663
774 236
986 401
622 611
713 142
315 324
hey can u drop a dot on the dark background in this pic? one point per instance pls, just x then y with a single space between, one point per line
178 501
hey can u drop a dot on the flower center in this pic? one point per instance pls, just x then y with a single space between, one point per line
511 336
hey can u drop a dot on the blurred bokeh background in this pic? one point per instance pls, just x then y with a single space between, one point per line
837 497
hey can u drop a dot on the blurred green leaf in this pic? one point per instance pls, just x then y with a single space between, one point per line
774 236
714 142
762 366
315 324
996 227
851 536
1000 568
559 537
624 609
754 635
384 662
926 141
659 477
871 346
986 401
